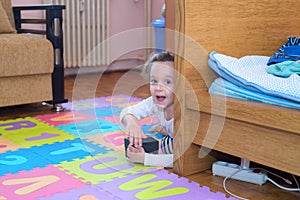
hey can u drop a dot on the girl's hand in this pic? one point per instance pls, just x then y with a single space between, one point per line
134 131
136 155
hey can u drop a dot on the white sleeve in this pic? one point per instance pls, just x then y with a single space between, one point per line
141 110
159 160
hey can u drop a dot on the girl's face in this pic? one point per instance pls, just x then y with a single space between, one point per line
162 84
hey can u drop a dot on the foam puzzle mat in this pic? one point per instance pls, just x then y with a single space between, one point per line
78 154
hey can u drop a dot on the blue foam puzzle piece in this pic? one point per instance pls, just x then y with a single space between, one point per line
92 127
22 159
145 128
103 112
69 150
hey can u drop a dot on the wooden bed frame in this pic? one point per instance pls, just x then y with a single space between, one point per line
262 133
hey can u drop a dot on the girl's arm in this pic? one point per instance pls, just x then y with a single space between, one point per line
130 116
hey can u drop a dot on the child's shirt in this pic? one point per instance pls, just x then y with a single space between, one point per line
145 109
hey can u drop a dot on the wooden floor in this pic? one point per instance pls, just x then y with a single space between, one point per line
130 83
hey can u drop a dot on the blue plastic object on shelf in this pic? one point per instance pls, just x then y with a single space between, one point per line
159 28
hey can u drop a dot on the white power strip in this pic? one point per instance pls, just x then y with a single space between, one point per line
234 171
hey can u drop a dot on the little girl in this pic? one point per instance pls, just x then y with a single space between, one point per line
159 70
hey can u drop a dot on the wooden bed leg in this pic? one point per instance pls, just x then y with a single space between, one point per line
190 163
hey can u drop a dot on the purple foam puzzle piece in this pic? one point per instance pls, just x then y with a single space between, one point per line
87 192
100 102
159 184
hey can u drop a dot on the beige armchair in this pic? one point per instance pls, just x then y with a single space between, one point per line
31 67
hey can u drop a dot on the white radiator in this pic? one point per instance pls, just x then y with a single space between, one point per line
85 26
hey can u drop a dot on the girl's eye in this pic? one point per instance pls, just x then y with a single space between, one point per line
168 82
153 81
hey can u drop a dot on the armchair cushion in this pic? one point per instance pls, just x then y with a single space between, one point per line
28 73
5 23
24 54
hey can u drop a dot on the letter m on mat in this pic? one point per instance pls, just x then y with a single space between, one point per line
153 189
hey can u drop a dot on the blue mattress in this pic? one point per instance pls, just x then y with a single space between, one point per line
223 87
249 73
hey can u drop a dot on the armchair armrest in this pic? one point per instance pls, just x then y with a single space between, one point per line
54 32
52 11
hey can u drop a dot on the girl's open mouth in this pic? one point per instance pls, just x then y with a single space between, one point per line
160 98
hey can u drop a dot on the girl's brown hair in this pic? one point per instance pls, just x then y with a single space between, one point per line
156 57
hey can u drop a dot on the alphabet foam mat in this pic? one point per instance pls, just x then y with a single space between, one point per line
79 154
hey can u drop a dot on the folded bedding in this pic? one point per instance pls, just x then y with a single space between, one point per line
223 87
249 72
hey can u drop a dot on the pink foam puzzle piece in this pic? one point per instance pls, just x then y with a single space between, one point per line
116 138
112 119
39 182
64 118
6 145
113 140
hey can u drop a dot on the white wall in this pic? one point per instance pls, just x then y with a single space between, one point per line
32 14
27 2
130 14
124 15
